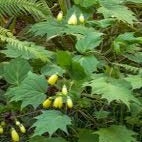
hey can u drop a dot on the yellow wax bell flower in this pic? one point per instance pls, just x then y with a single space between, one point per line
1 130
72 20
81 19
58 102
17 123
64 90
47 103
14 135
22 128
69 102
60 16
53 79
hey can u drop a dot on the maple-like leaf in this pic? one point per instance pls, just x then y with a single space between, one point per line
50 121
112 89
116 8
31 91
135 80
116 133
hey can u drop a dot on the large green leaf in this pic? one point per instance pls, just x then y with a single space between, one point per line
89 63
89 42
16 70
52 28
86 135
63 58
116 133
50 121
113 89
77 71
115 8
31 91
135 80
44 139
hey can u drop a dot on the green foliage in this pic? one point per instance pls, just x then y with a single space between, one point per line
86 135
112 89
31 88
53 120
113 8
95 67
38 9
116 134
135 80
16 71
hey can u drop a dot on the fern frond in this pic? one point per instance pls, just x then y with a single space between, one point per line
23 46
6 32
37 8
132 69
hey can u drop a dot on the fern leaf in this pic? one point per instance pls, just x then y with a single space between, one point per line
38 9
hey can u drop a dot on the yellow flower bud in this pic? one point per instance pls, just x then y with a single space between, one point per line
69 102
14 135
52 79
47 103
64 90
22 128
81 18
60 16
72 20
58 102
17 123
3 123
1 130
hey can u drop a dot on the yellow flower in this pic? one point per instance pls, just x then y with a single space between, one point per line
52 79
22 128
17 123
47 103
14 135
58 102
81 18
1 130
72 20
69 102
60 16
64 90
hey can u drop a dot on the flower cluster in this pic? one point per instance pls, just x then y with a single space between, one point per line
14 134
60 98
72 20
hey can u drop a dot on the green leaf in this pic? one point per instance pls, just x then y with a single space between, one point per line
86 135
116 133
53 120
113 89
63 58
114 8
104 23
89 42
136 57
16 70
52 69
86 3
89 63
31 91
135 80
44 139
76 71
